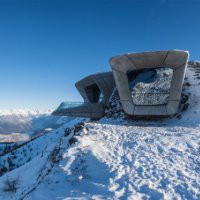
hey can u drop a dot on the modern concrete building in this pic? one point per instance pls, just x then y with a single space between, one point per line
95 90
123 64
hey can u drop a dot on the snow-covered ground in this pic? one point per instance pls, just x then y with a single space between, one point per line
113 158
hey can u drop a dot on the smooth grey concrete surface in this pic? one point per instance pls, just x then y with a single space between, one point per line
90 89
174 59
103 81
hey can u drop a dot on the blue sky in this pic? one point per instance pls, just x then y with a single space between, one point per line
46 46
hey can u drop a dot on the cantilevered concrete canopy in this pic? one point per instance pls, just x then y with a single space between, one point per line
95 90
123 64
96 87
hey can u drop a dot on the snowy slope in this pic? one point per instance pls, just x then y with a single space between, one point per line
113 158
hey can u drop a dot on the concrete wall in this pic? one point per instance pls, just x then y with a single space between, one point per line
174 59
104 81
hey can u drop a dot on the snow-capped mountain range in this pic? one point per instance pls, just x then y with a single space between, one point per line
24 112
23 124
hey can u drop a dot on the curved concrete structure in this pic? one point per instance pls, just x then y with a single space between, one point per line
92 86
123 64
95 90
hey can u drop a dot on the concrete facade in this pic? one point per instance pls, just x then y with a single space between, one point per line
123 64
91 86
95 90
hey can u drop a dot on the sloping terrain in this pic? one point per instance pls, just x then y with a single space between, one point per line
113 158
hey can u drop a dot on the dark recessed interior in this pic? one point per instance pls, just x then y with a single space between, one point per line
94 94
